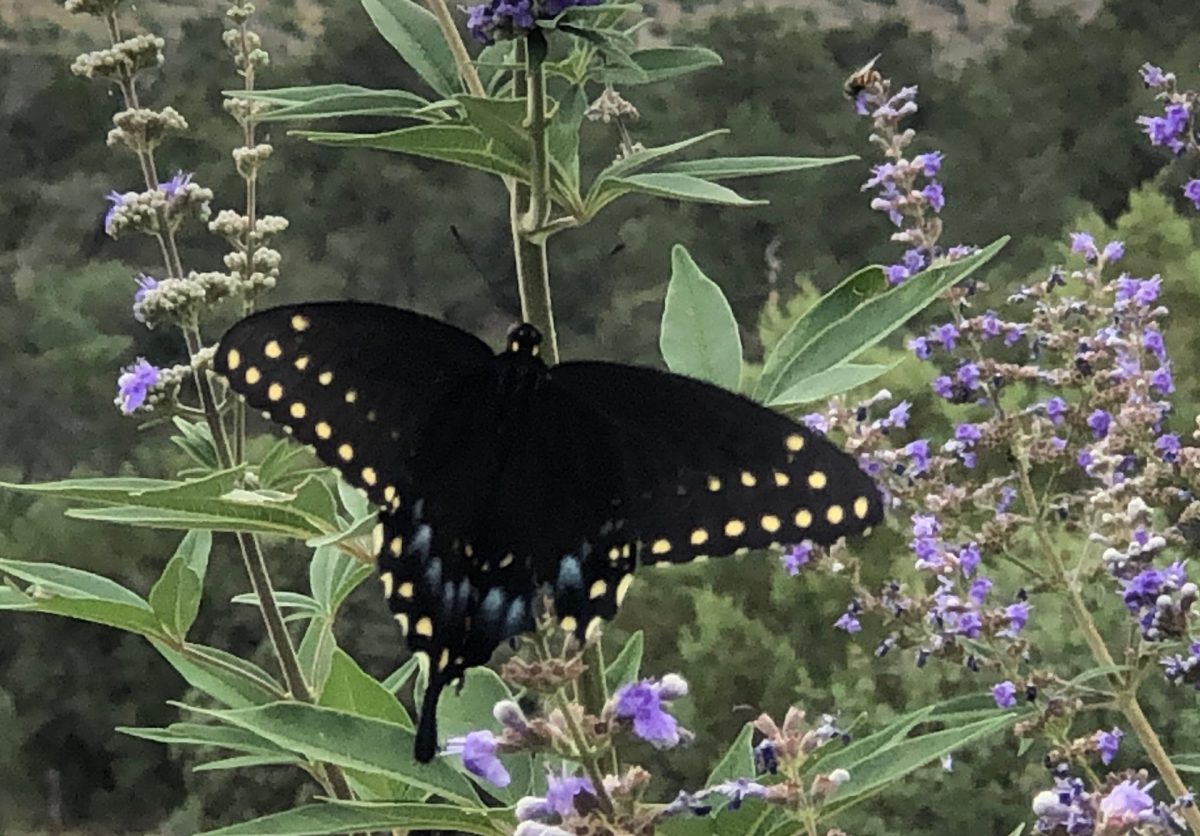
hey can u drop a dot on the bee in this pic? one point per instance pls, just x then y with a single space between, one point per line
862 78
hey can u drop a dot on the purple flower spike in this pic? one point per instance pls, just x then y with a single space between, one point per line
1085 245
1114 251
135 384
934 194
1192 192
1005 694
1161 380
640 701
1107 744
1099 422
930 163
1125 804
1152 76
478 751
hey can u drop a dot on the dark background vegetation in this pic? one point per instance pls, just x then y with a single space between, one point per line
1037 124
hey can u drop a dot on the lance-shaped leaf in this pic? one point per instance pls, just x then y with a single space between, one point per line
230 680
176 596
831 382
627 665
63 590
458 144
350 817
681 187
723 168
660 64
414 33
699 335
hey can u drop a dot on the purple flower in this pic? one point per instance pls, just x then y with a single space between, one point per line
898 415
1056 408
1152 341
925 525
896 274
848 622
797 557
135 384
561 791
934 194
1139 292
929 163
968 559
738 790
1168 446
1018 616
1007 494
920 347
1005 694
918 451
478 751
1125 804
968 433
643 703
172 187
116 200
943 387
980 588
968 376
1161 380
989 325
1152 76
1099 422
1143 589
1107 744
816 421
1013 335
914 260
1113 251
1166 129
1085 245
145 284
946 334
969 625
1066 808
1191 191
502 19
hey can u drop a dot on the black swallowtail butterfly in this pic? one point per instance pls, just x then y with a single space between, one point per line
500 479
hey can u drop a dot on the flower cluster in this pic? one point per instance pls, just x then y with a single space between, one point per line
1124 806
498 20
1175 128
159 210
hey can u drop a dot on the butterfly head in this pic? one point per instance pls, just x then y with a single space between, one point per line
524 339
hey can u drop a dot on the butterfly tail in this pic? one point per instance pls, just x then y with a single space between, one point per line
427 743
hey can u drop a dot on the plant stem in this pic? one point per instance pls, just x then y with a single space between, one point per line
533 273
1126 691
462 59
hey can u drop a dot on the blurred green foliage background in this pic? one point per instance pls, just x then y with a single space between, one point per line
1038 130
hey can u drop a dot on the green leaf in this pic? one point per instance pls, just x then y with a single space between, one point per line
603 190
349 817
738 760
1020 828
399 677
414 33
491 61
360 101
276 464
110 491
562 137
212 514
830 382
625 667
229 679
358 528
682 187
245 762
848 336
316 653
350 689
286 600
353 500
720 168
14 599
871 774
314 498
175 597
699 336
502 120
62 590
294 95
660 64
458 144
202 734
333 575
1097 673
361 743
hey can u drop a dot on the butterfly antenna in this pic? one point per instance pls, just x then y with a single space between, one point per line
426 746
466 250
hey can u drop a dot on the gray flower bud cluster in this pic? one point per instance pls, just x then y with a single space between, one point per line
611 106
262 276
243 109
240 12
142 129
246 46
247 160
233 226
137 212
121 60
172 301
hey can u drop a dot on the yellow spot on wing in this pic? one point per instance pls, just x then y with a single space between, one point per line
325 378
734 528
835 514
377 538
614 553
351 396
699 537
345 452
623 588
505 561
324 431
396 547
781 479
770 523
273 350
298 410
233 359
402 620
795 442
817 480
369 476
593 628
804 518
388 581
861 507
301 363
389 493
253 375
598 589
568 624
660 547
748 479
405 590
424 627
444 659
714 484
300 323
275 392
